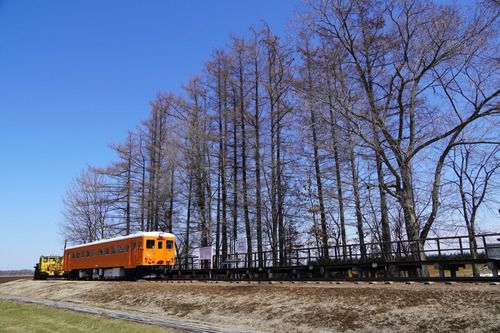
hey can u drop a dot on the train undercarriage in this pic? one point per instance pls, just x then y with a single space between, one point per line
119 273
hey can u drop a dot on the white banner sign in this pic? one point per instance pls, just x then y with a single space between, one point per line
206 253
241 246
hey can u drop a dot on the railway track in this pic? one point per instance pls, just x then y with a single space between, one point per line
232 279
463 279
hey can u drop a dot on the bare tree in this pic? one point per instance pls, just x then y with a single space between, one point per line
311 104
87 207
399 51
474 169
241 54
218 69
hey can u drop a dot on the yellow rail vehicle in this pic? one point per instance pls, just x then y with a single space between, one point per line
49 266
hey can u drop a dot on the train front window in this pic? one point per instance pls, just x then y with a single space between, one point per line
150 244
170 245
160 245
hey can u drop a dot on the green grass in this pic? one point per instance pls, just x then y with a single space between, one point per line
15 317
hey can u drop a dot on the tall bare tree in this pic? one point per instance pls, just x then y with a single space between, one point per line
474 169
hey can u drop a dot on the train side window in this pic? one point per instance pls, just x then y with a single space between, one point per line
150 244
51 259
170 245
73 255
100 252
78 255
126 248
107 250
93 253
120 249
113 250
160 245
44 259
133 246
88 253
83 254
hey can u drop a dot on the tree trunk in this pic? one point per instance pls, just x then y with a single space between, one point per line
317 168
143 188
158 167
129 185
384 212
244 170
188 223
171 203
274 178
152 173
235 170
357 200
218 223
279 187
257 169
340 193
222 105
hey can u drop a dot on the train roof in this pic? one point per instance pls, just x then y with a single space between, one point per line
139 234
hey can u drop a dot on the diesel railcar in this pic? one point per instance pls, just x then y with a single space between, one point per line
145 254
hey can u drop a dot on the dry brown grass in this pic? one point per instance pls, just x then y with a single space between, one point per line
291 307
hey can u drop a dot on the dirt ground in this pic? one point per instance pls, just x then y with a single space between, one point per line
287 307
5 279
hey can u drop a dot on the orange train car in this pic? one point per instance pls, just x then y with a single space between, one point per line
133 256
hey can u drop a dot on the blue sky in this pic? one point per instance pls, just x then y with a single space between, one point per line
75 76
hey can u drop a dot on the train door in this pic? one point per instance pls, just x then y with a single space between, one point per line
66 261
130 254
170 252
135 253
138 252
161 252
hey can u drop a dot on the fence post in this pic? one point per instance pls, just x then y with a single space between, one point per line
485 247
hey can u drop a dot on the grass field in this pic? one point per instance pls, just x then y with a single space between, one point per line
24 318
